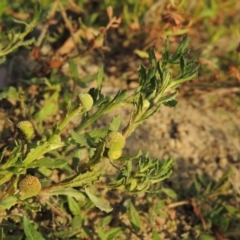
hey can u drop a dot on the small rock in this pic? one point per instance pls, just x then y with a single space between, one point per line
218 174
223 163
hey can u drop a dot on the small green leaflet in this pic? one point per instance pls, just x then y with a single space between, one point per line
134 217
98 202
30 231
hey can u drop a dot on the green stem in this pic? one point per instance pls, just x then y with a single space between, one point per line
47 146
98 114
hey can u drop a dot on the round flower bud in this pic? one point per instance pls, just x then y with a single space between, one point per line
146 104
30 186
114 154
132 185
115 140
86 101
26 129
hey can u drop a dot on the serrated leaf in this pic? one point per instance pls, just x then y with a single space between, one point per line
80 139
13 158
142 73
115 123
82 179
134 217
73 206
30 231
40 150
98 133
98 202
165 169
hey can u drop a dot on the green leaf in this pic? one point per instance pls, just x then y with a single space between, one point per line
171 103
73 69
82 179
10 93
8 202
152 58
156 236
205 236
180 50
113 233
105 221
197 184
66 191
97 133
169 192
13 158
134 217
98 202
40 150
165 56
182 64
48 163
50 107
30 231
80 139
2 59
2 235
231 209
115 123
73 206
100 74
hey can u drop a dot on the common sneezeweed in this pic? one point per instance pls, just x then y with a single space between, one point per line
30 186
157 86
25 129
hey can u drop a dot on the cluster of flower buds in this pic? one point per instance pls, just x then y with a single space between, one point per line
114 143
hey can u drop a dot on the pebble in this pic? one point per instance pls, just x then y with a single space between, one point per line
218 174
223 163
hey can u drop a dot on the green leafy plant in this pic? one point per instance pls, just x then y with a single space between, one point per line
157 87
135 174
13 39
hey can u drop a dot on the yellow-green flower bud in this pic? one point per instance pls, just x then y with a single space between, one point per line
115 140
146 104
26 129
114 154
30 186
86 101
132 185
